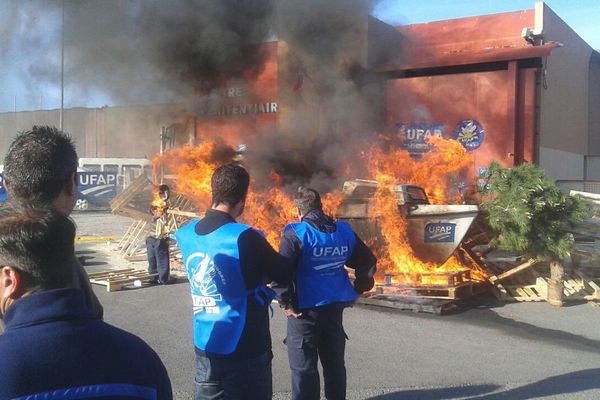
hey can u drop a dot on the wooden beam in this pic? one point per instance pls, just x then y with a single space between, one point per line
515 270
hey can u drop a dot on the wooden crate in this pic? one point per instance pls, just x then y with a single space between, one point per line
414 304
116 279
532 285
461 291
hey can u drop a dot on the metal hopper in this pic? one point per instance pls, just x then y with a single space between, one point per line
434 231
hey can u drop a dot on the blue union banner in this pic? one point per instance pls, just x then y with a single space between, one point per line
414 136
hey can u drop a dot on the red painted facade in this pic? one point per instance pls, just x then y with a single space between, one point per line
477 68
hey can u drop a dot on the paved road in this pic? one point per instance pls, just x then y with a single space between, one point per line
488 351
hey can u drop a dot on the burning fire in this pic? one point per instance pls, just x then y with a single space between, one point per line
431 172
270 208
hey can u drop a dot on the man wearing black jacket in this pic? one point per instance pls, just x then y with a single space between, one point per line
228 264
319 248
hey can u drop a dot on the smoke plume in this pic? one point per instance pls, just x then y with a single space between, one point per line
333 100
181 50
140 51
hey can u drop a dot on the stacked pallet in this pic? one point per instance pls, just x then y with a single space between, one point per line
134 202
115 279
530 282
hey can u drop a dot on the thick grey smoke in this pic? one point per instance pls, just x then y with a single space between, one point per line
142 51
148 51
325 81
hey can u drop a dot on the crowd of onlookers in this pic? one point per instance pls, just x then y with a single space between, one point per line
54 344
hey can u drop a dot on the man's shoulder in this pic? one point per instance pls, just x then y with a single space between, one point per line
127 340
81 350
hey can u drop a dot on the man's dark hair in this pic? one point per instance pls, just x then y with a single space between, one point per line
229 184
38 165
307 200
39 243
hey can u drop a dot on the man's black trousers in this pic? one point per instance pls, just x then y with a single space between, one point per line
158 258
318 334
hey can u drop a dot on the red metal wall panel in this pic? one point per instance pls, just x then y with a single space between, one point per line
450 99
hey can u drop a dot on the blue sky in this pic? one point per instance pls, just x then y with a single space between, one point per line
582 15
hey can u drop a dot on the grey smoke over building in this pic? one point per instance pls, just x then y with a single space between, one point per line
326 82
138 51
180 50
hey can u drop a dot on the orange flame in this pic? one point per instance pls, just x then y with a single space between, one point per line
269 211
430 172
192 167
271 208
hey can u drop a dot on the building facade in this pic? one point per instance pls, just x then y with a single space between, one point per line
512 87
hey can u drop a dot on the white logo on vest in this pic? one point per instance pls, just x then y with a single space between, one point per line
202 271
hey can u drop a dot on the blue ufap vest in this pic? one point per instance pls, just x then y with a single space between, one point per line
320 276
219 294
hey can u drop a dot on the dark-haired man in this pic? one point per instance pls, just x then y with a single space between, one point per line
40 170
228 264
52 347
319 248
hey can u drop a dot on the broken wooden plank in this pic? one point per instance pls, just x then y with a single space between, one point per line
515 270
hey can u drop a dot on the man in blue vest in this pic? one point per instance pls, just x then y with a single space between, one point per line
53 347
319 248
228 264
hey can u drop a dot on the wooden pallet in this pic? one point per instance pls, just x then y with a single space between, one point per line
455 292
532 285
134 241
133 244
414 304
115 279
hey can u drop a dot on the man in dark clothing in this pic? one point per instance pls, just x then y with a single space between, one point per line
319 248
40 170
157 246
228 265
52 346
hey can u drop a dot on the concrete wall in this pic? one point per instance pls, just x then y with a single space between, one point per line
562 164
594 104
131 131
564 99
592 168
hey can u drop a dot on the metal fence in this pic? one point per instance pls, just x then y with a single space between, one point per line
581 186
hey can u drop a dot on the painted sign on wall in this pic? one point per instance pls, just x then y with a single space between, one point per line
95 189
439 233
469 133
414 136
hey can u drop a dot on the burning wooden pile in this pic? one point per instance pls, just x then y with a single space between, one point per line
431 256
415 241
427 260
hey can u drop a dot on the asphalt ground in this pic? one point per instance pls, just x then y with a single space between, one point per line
486 350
